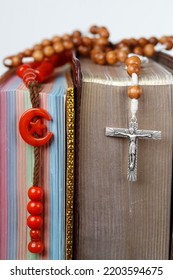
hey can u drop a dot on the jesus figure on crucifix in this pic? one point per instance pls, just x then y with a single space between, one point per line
133 134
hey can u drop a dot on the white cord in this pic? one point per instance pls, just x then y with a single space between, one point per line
143 59
159 47
134 107
27 59
134 102
134 79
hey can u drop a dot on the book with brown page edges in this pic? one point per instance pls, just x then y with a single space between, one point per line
115 218
166 60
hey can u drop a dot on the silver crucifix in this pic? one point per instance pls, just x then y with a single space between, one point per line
133 134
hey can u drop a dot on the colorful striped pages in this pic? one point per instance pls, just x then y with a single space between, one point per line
16 170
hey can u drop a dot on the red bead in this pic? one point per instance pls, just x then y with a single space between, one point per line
44 70
29 76
21 70
35 234
34 64
35 193
35 222
35 208
27 73
35 247
54 59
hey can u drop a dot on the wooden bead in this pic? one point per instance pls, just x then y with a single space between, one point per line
149 50
38 55
87 41
56 39
16 61
121 56
100 58
133 60
83 50
163 39
66 37
169 45
48 51
153 41
102 41
20 55
46 42
76 33
138 50
121 44
94 41
37 47
111 57
142 41
98 48
93 54
134 92
125 42
108 49
103 32
133 42
133 68
58 47
28 52
68 44
77 41
94 29
124 47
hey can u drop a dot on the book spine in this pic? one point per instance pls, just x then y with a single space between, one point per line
77 80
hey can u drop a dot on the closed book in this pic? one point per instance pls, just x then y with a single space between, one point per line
116 218
56 168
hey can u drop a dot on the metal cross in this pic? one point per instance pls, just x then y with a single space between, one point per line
133 134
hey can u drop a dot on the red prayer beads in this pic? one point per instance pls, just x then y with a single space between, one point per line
35 208
35 247
40 71
35 193
35 234
27 72
35 221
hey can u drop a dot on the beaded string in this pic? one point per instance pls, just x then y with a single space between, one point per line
97 47
133 64
35 193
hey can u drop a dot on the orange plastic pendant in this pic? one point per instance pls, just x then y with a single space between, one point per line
28 126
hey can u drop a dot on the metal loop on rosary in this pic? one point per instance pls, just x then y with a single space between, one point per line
133 119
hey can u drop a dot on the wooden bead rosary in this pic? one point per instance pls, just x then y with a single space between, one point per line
43 59
98 47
